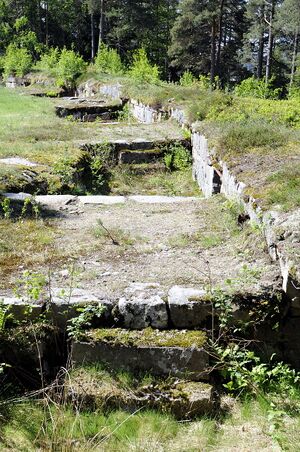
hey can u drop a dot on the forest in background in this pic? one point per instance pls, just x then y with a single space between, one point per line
227 40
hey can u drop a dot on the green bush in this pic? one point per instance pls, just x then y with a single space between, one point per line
177 158
141 69
49 60
17 61
252 87
187 79
109 61
69 67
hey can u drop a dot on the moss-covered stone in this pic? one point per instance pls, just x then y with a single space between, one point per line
148 337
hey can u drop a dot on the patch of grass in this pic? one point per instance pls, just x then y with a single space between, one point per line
242 136
284 188
152 180
38 425
26 244
202 239
30 129
219 219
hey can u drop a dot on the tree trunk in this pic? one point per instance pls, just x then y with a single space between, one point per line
260 56
295 52
47 24
270 43
213 53
92 37
101 23
220 36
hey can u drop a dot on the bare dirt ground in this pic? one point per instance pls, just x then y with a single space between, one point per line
192 243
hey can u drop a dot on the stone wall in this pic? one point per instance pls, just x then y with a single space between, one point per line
145 113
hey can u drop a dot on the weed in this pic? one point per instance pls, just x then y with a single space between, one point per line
115 235
5 205
85 320
31 286
177 158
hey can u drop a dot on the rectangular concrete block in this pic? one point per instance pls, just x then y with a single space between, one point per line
190 362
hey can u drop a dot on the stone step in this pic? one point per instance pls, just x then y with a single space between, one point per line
101 388
63 200
174 353
139 156
142 305
88 110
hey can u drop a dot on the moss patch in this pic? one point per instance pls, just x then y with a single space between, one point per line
147 337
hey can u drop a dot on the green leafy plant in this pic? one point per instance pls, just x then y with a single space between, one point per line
70 65
49 60
17 61
5 206
31 286
141 69
108 61
245 373
187 79
84 321
30 206
252 87
101 161
177 157
4 315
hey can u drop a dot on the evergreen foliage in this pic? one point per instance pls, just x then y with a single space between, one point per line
141 69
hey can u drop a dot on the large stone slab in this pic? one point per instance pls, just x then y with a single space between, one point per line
21 309
102 200
188 307
156 199
131 157
182 399
59 307
179 362
17 161
65 304
52 200
143 306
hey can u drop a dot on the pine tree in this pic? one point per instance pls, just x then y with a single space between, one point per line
204 33
289 22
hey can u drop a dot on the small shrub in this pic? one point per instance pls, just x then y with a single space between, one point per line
177 158
109 61
247 374
252 87
69 67
17 61
49 60
187 79
204 82
142 70
87 317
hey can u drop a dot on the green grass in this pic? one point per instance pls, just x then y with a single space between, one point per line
130 180
284 188
248 425
27 244
30 129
